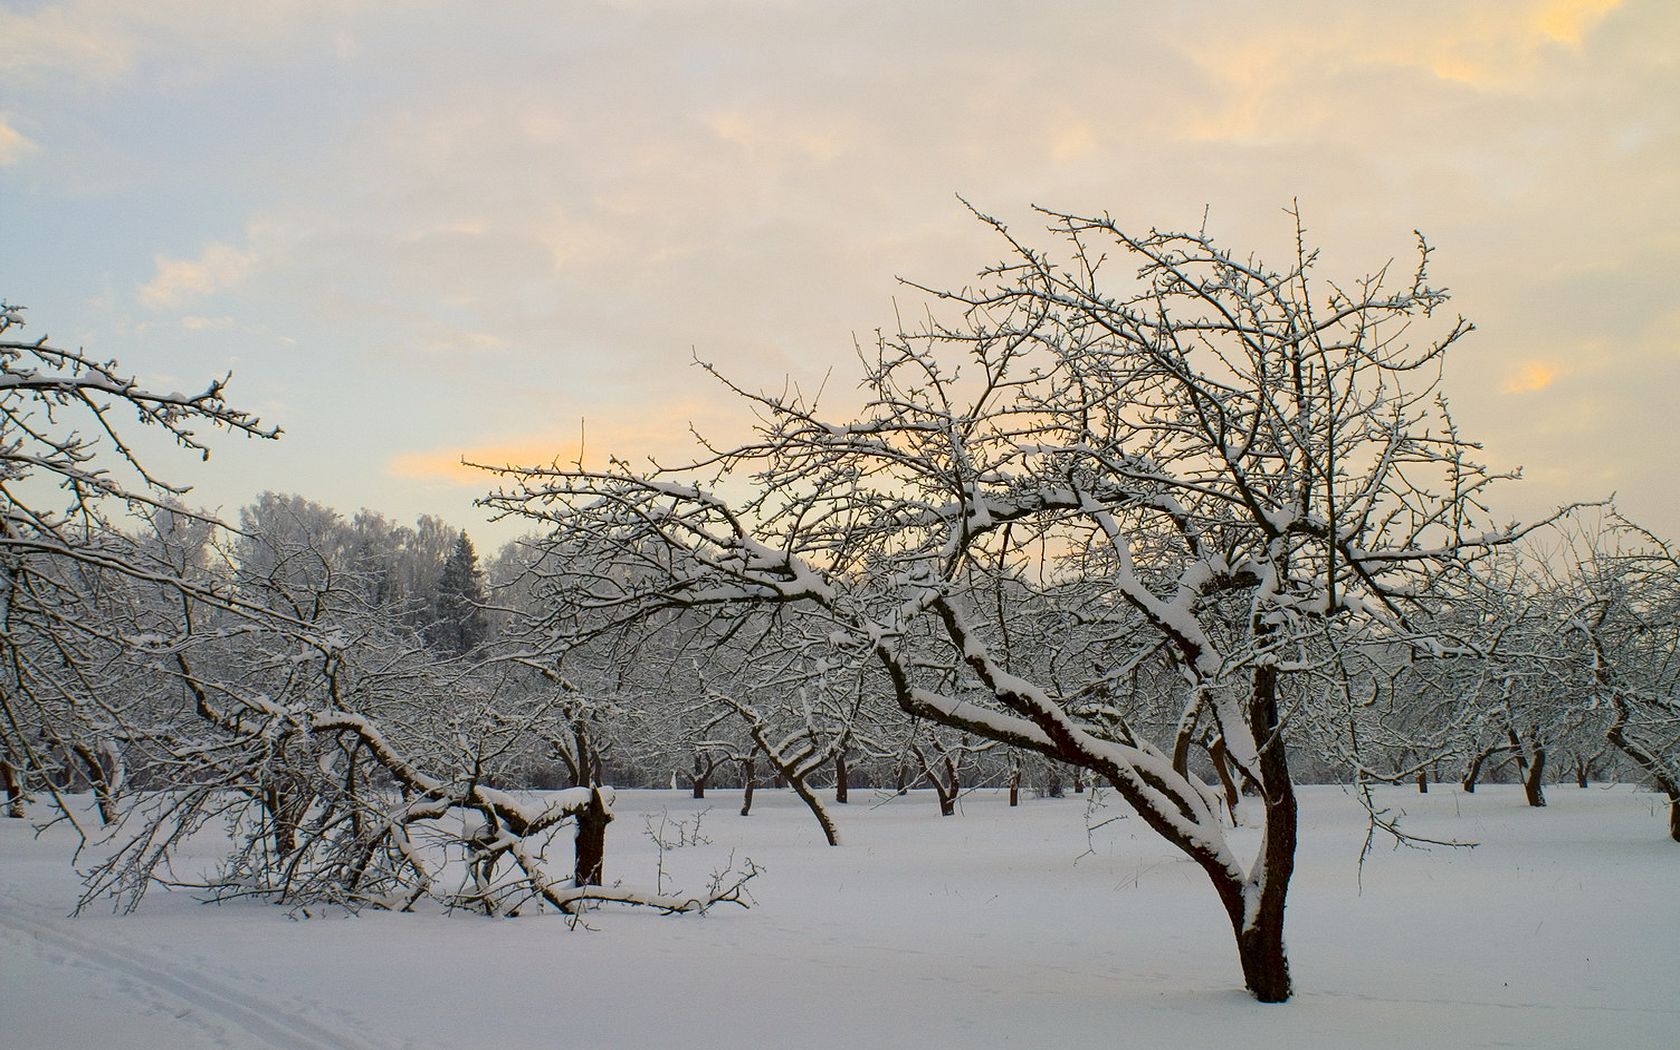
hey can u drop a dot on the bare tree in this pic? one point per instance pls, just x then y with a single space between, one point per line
1208 458
68 470
1622 583
355 767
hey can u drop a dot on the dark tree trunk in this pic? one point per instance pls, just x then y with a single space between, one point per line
702 771
484 871
901 783
350 793
747 776
589 848
840 777
1256 915
1533 789
284 812
1260 939
101 780
1015 786
952 788
1423 781
945 789
1582 768
1473 772
1265 964
14 789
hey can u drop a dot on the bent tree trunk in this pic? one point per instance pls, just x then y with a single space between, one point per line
1255 904
830 833
1254 899
1473 771
794 761
1648 760
945 790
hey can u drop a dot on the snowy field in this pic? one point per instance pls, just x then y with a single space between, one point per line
996 927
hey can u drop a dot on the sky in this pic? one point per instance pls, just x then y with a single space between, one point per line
425 231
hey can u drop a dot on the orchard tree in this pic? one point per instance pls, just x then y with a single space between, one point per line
69 470
355 767
1621 587
1212 460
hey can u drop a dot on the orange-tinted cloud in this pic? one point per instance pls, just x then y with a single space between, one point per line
1275 76
1569 21
1531 377
1074 142
664 434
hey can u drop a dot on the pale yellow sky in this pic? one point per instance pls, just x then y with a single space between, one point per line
426 231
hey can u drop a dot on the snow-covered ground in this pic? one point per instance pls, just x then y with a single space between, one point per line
996 927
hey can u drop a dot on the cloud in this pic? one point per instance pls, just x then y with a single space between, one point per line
100 41
13 145
205 324
1531 377
446 465
218 267
1569 21
619 436
55 42
1279 75
781 136
1073 143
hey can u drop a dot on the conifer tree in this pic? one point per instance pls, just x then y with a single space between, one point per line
460 625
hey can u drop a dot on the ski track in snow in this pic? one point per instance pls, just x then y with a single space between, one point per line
248 1014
